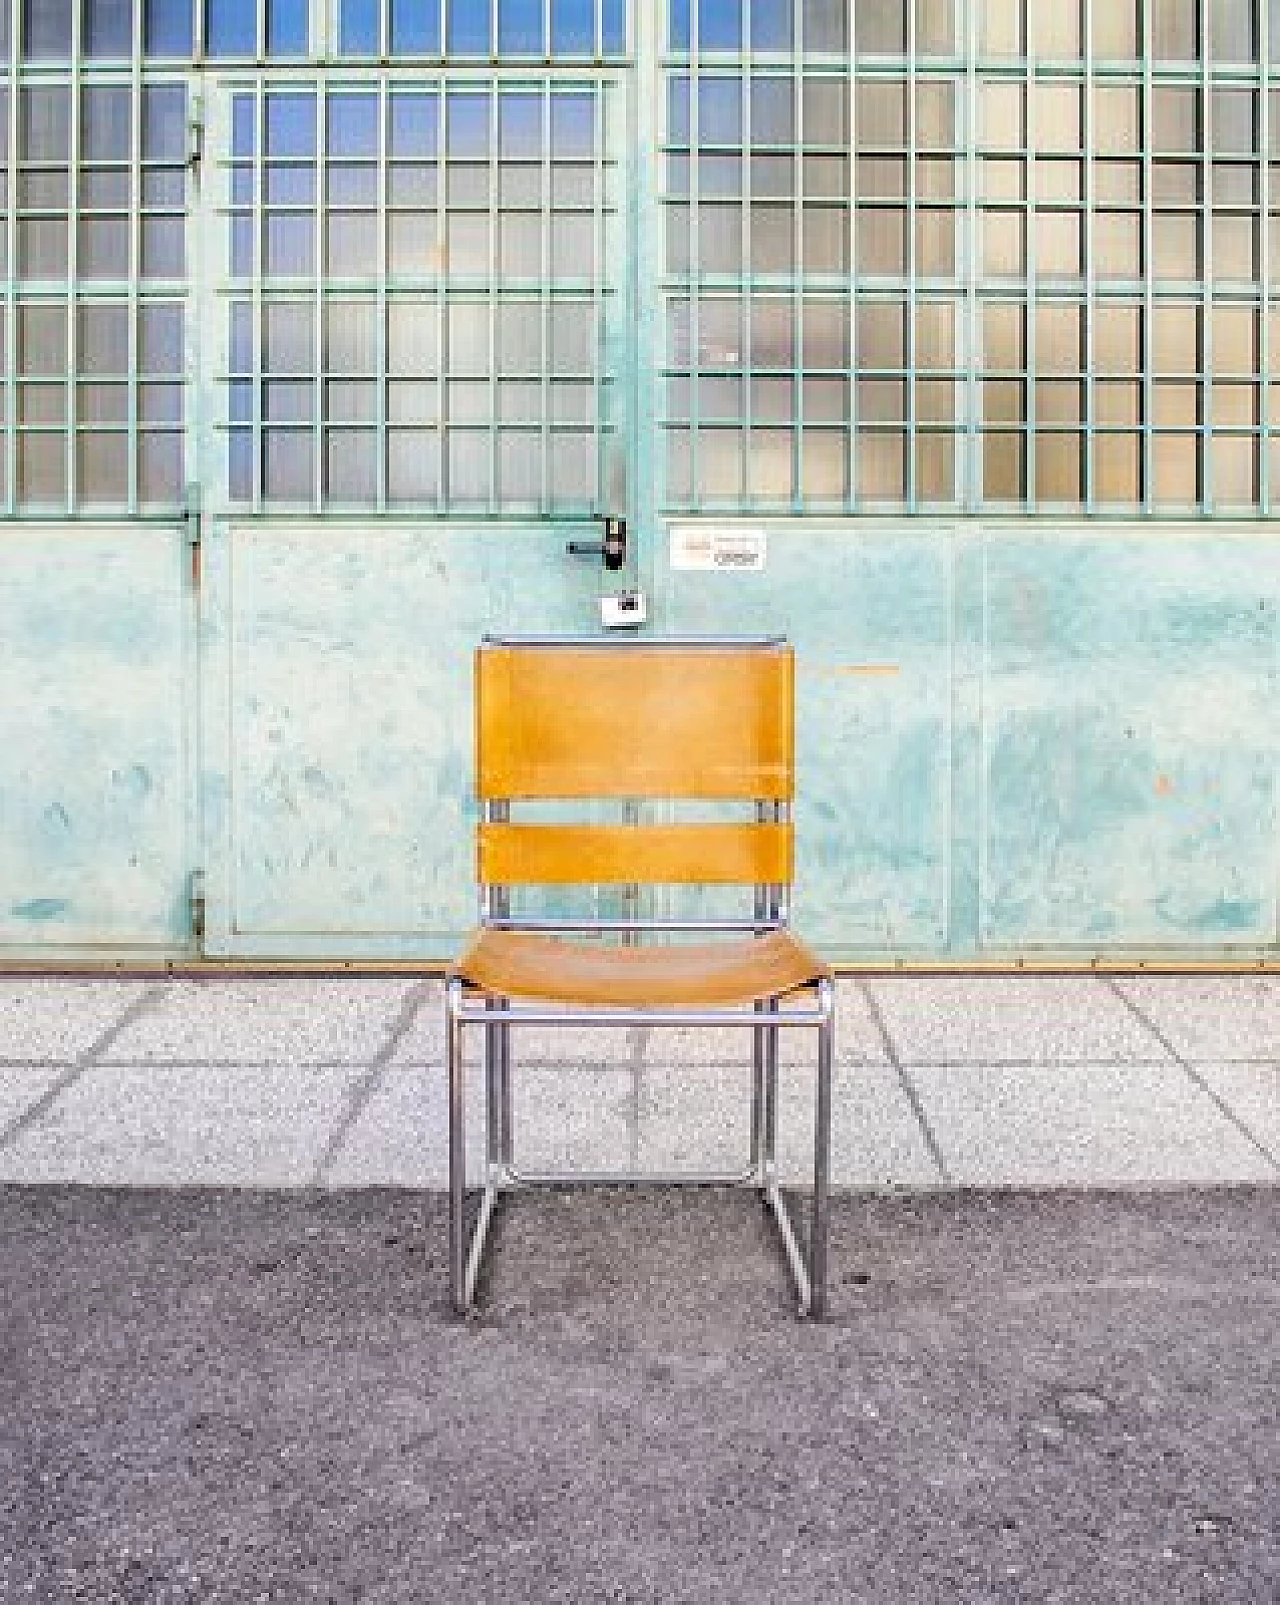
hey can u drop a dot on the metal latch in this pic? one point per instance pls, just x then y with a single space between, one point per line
613 548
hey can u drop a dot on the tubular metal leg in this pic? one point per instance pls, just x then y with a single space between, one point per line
757 1097
507 1154
493 1098
821 1157
770 1034
457 1150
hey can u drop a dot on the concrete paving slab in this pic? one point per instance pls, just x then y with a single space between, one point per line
1212 1017
56 1021
20 1090
1252 1093
143 1125
400 1138
700 1119
274 1021
1009 1020
1081 1125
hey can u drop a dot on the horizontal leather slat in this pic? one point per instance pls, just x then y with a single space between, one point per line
734 855
694 722
517 964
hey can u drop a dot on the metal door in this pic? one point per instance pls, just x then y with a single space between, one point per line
423 335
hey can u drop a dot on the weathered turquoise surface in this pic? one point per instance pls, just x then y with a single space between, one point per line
97 692
1014 741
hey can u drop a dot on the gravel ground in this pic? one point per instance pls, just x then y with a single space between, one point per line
249 1396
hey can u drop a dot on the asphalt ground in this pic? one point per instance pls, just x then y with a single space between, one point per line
262 1396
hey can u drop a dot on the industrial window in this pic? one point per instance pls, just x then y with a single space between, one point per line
417 300
93 177
999 256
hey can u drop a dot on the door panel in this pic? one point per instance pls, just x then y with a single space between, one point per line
96 677
340 809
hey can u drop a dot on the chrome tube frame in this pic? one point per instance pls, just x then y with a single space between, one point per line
496 1016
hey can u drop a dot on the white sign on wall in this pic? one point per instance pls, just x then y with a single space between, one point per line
722 548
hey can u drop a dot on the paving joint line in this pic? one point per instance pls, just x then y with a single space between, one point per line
637 1046
362 1092
1215 1097
908 1086
87 1059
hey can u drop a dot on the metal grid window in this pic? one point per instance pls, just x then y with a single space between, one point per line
929 256
542 30
417 299
93 182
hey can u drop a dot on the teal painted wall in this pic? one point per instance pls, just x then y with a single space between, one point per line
1023 741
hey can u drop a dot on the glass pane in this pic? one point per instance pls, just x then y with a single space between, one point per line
412 402
164 123
358 27
719 465
1117 401
290 244
102 469
415 27
100 404
42 470
413 465
935 28
935 467
1004 244
1004 336
288 458
881 114
103 248
287 27
880 27
46 30
1056 30
772 23
167 28
1003 28
291 125
1175 339
1115 30
1058 117
413 337
825 334
720 25
1234 467
1231 31
160 338
351 124
882 339
1117 118
1003 116
822 25
1175 246
351 466
881 464
1174 30
571 471
107 28
1059 467
1004 470
351 244
164 248
1059 339
231 28
825 109
42 248
1117 339
1235 339
1175 470
573 27
1059 244
102 336
1117 469
44 133
519 467
467 32
770 469
1004 401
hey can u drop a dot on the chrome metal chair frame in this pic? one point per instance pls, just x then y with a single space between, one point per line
468 1006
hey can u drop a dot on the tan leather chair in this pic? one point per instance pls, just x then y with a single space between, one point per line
708 723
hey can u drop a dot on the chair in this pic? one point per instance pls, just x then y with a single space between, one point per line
682 725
